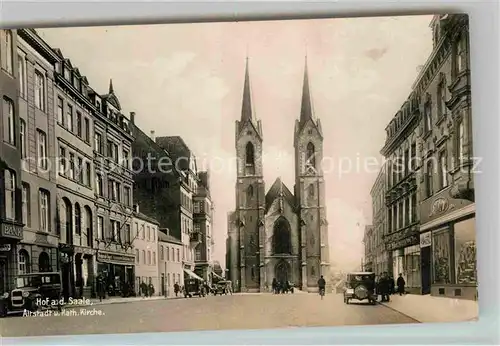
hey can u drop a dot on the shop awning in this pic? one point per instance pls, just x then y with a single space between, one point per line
192 274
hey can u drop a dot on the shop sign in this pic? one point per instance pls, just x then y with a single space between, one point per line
108 257
12 231
84 250
411 240
5 247
393 237
425 239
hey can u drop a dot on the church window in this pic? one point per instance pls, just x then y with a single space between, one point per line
311 156
282 237
249 194
249 159
310 132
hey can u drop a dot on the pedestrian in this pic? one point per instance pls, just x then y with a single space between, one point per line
392 285
176 289
274 285
401 284
151 289
144 289
321 286
101 292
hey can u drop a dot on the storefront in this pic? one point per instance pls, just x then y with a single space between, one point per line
450 233
118 271
404 253
11 234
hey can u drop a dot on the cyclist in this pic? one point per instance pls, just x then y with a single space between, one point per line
321 286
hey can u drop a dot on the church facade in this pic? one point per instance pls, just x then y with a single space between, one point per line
279 234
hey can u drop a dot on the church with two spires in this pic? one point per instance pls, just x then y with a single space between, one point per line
280 234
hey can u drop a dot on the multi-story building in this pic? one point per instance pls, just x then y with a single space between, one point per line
145 233
170 264
35 63
113 137
447 210
202 223
368 241
185 161
232 255
380 256
400 151
74 113
11 218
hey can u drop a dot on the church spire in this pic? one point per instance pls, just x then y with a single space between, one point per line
306 110
247 107
111 90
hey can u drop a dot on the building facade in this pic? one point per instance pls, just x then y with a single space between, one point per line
74 150
447 211
280 234
11 217
145 242
368 241
38 252
202 223
113 137
377 193
170 264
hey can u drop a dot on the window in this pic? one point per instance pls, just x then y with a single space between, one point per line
125 159
88 174
400 215
10 194
408 208
99 184
115 226
44 203
42 149
136 232
127 239
178 256
78 220
39 90
413 163
100 228
197 254
441 98
149 257
460 141
149 233
465 252
441 257
26 205
414 207
428 117
21 63
22 134
443 170
60 111
7 48
72 166
167 252
98 142
143 256
67 73
62 160
311 156
154 258
78 124
126 193
462 54
407 162
136 255
9 129
69 119
86 137
23 259
113 151
80 170
428 181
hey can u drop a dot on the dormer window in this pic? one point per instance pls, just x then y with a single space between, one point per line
76 83
58 67
98 105
67 74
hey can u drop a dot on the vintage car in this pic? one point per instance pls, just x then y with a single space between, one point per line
194 287
360 286
34 291
223 287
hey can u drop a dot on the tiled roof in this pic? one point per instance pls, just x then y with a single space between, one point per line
167 238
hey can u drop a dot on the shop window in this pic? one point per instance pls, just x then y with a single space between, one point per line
441 257
465 252
412 266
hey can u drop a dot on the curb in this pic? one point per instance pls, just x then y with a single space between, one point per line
402 313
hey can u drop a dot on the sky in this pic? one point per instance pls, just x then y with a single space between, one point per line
187 80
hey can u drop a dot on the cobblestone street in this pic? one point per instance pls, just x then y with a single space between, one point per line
252 311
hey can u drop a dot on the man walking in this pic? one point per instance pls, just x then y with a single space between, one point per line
401 284
321 286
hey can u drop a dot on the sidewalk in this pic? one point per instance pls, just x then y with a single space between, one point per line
121 300
428 309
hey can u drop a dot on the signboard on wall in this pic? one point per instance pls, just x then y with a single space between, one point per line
425 239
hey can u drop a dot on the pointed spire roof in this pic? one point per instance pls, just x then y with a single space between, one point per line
111 90
247 107
306 109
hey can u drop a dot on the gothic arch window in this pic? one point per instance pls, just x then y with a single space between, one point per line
282 237
311 156
78 220
249 159
249 194
43 262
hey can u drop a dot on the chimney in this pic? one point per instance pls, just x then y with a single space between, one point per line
153 135
136 208
132 117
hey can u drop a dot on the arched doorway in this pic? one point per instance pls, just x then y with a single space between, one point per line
43 262
282 237
282 271
68 220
